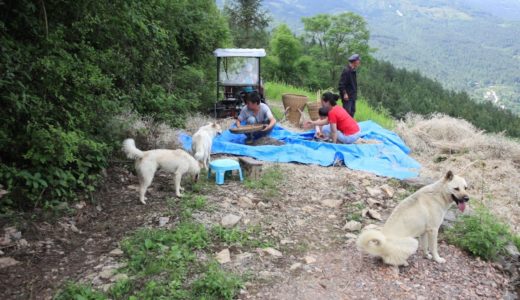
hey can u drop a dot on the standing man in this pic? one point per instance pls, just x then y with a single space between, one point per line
348 84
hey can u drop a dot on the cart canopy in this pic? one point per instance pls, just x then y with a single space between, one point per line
230 52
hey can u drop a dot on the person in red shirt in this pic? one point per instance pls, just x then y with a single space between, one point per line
339 126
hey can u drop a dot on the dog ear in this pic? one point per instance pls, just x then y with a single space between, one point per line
448 176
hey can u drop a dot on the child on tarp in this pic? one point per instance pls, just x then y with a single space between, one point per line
323 113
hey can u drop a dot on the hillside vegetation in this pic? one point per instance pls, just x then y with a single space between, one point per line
68 68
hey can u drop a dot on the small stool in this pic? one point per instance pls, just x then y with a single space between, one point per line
220 166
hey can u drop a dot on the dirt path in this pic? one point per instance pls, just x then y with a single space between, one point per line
304 221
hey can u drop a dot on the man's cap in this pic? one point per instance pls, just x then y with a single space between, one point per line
248 89
354 57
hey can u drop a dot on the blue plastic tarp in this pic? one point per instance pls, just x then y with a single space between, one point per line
388 158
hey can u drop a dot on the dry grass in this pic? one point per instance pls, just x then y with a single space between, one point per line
489 162
151 135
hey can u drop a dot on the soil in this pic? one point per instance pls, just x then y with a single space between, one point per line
305 221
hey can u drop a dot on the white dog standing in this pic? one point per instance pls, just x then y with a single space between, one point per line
202 142
419 215
178 162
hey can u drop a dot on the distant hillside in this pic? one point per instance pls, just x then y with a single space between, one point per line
469 45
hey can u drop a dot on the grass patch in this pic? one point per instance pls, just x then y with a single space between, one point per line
79 292
250 238
481 234
216 284
268 183
151 251
203 184
277 112
380 115
353 212
165 264
275 90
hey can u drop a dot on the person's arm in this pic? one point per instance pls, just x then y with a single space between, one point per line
334 132
241 116
272 122
320 122
342 86
270 116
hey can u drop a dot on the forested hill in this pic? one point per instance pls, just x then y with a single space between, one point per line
469 45
401 91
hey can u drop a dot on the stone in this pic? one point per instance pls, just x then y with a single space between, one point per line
373 202
273 252
350 236
106 287
22 243
309 259
119 277
80 205
223 256
352 226
230 220
116 252
163 221
245 202
308 208
295 266
371 226
373 192
370 213
388 190
512 250
332 203
74 228
106 274
243 256
7 262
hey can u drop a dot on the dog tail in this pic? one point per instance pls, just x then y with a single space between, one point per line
371 241
131 150
198 151
199 155
394 251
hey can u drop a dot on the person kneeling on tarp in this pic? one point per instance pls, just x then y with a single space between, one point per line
339 126
255 112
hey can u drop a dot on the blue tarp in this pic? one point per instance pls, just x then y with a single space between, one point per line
389 158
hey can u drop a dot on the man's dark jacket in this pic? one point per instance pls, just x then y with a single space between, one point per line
348 83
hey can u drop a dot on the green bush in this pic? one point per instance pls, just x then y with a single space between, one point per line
79 292
216 284
480 234
67 68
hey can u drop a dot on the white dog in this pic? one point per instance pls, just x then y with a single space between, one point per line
202 142
419 215
178 162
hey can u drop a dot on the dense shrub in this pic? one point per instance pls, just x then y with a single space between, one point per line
68 67
480 234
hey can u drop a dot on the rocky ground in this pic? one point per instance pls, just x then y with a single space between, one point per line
312 222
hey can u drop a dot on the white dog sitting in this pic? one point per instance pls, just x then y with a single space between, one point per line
202 142
419 215
178 162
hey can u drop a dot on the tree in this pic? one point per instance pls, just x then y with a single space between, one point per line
286 61
332 38
64 79
248 23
